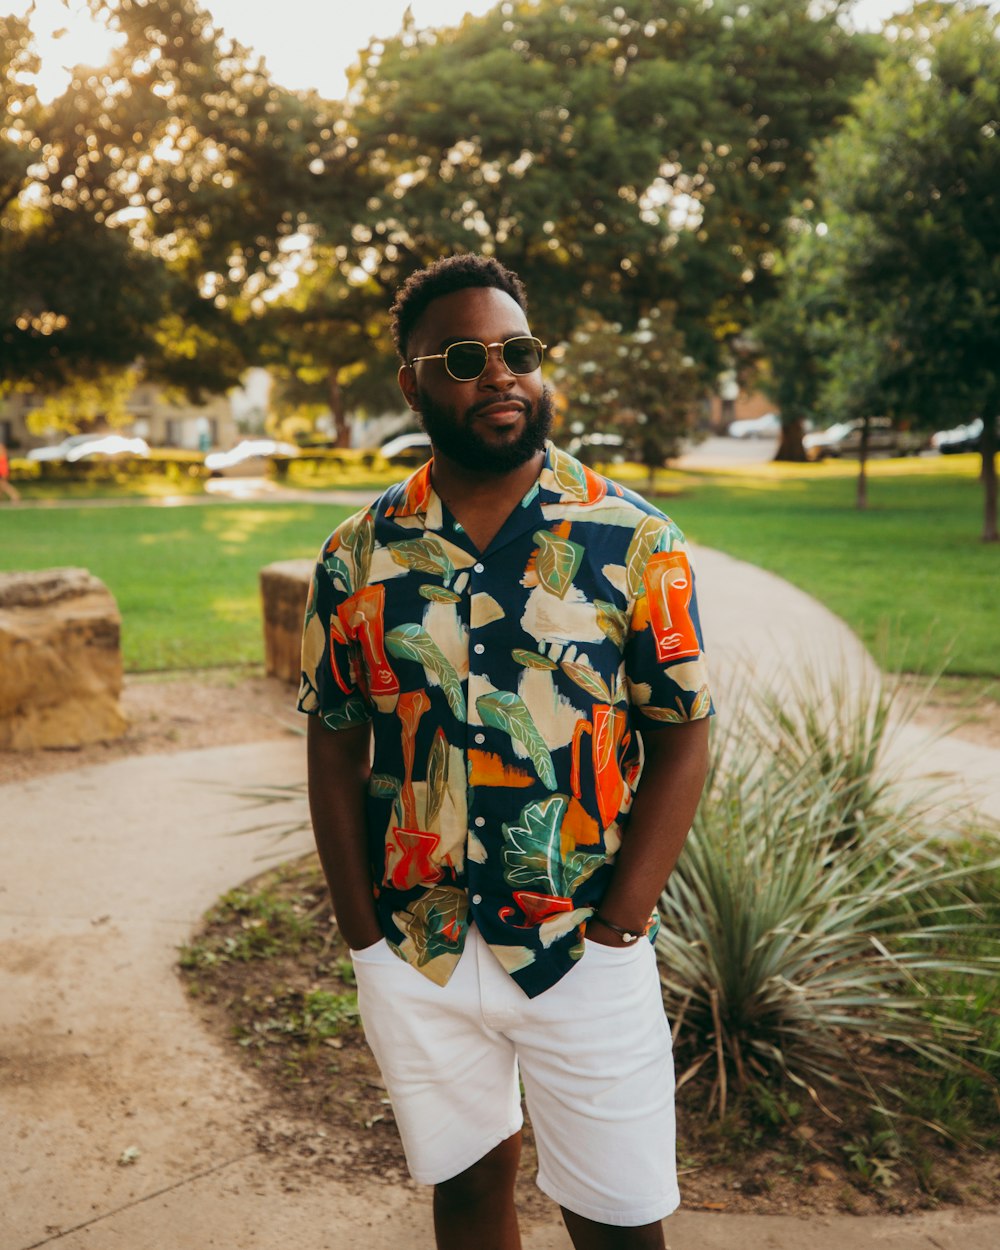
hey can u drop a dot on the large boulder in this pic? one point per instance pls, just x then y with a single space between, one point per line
60 660
284 590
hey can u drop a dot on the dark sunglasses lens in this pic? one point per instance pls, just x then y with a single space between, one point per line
465 360
522 355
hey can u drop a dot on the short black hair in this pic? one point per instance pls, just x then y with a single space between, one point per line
451 273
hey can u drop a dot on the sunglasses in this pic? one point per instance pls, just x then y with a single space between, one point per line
467 360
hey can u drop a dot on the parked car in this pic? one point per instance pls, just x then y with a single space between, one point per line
60 451
249 458
766 426
413 448
844 439
109 445
598 448
961 438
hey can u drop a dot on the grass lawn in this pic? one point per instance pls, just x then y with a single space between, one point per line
909 575
911 570
185 578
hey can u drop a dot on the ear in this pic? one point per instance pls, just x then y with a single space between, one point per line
407 379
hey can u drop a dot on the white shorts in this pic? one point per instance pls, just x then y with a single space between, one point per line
594 1054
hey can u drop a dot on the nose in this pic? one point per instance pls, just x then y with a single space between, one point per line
496 375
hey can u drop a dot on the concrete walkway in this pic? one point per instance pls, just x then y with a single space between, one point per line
106 870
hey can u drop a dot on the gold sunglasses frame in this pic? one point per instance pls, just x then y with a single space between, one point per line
514 338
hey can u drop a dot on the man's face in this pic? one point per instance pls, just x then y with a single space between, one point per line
498 421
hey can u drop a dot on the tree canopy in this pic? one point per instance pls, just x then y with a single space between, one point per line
894 276
177 207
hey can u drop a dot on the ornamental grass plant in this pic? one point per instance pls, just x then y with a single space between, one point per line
818 932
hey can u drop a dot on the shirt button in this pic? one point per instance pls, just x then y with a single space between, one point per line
479 568
480 821
480 739
479 648
477 898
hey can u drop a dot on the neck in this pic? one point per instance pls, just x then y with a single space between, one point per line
457 484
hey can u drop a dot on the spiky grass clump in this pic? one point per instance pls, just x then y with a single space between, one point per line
814 931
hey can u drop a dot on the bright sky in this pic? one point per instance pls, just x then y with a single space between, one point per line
306 44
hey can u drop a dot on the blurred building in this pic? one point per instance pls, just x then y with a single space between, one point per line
161 421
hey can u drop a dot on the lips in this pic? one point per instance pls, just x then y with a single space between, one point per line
500 411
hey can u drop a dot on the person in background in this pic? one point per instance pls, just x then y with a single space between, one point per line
6 485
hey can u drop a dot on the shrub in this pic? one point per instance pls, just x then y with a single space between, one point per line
814 931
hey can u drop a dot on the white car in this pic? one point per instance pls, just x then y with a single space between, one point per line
767 426
108 445
61 451
249 458
844 439
412 448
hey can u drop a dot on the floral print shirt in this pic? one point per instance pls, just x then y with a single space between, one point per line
506 690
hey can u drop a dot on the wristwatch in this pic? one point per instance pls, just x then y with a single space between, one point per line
627 935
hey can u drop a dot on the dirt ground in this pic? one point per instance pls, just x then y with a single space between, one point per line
220 707
337 1084
177 712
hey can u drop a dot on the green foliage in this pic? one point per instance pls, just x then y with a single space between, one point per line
792 952
640 384
151 213
269 925
892 290
608 153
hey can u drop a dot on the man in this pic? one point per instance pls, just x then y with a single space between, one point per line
515 635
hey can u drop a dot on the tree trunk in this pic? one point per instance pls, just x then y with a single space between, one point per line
790 446
341 425
862 497
989 475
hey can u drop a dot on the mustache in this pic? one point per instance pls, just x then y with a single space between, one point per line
482 404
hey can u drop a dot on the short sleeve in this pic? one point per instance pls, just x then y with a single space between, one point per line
331 668
665 665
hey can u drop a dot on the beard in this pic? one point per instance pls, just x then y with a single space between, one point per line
457 438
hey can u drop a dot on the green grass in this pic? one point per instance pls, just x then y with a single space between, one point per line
910 572
186 579
910 569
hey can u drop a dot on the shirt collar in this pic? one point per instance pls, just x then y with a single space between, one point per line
562 480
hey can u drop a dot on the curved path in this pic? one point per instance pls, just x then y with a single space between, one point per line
107 869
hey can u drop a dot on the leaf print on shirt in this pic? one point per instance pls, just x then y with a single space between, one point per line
424 555
437 778
613 622
532 659
556 562
438 594
645 541
340 574
588 680
436 922
533 857
358 537
509 713
411 642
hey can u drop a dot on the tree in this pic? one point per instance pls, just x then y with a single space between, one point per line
640 384
902 249
148 222
609 152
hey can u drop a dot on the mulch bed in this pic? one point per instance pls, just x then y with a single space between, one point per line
255 973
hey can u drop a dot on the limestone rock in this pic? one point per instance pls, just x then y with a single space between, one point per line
60 660
284 589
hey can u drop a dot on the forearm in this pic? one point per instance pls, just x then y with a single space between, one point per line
664 806
338 778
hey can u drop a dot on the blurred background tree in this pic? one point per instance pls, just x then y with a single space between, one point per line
892 285
638 385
